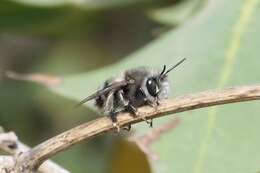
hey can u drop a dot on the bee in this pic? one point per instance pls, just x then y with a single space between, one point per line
131 89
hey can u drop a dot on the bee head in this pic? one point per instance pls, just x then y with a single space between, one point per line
156 84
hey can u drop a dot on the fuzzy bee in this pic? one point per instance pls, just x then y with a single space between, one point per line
131 89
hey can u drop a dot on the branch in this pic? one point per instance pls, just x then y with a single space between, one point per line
33 158
5 163
10 144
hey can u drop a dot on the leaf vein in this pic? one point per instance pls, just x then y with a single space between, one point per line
233 48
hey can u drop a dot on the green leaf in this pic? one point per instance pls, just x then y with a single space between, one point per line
53 18
221 45
21 18
177 13
88 4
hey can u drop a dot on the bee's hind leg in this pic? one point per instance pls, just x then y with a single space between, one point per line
134 111
113 117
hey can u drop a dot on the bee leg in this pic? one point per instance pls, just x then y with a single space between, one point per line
155 106
127 128
149 103
157 101
123 102
133 110
114 121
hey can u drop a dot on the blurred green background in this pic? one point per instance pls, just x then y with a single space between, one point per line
86 41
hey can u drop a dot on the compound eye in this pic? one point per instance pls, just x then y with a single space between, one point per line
152 87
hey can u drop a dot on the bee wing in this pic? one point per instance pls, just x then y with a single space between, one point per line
112 86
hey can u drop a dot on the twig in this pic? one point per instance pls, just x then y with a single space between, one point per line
46 80
10 144
5 163
32 159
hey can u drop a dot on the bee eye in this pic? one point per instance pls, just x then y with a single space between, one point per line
152 87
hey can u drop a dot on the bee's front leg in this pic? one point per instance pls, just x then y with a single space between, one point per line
153 104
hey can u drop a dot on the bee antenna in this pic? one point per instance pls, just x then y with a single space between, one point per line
81 103
181 61
164 68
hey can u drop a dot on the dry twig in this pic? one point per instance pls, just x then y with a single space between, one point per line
32 159
10 144
45 80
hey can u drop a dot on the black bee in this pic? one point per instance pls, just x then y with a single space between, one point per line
131 89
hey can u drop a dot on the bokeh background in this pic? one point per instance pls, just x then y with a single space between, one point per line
82 42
